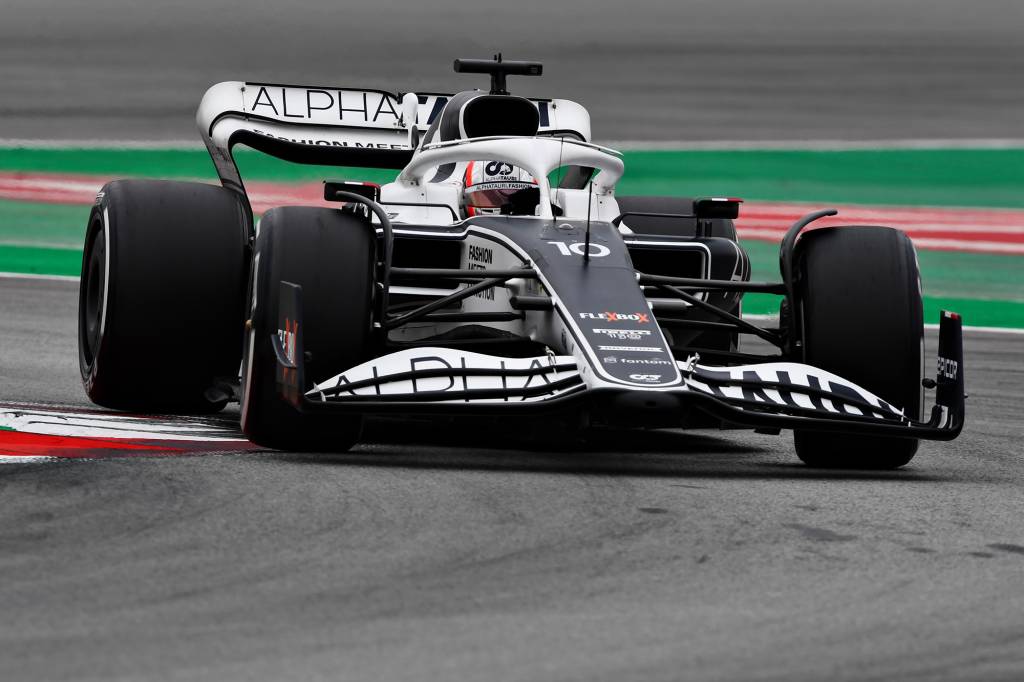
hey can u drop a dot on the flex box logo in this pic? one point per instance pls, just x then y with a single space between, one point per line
642 318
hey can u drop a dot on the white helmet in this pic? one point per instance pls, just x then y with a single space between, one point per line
490 185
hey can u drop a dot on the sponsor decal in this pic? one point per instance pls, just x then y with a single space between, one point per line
478 257
323 105
498 168
331 143
503 184
287 336
290 375
633 349
794 379
624 334
481 254
390 375
642 318
646 378
948 368
578 249
612 360
337 106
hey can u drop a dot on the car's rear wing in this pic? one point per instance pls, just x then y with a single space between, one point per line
334 126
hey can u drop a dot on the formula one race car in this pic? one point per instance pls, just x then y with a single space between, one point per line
497 277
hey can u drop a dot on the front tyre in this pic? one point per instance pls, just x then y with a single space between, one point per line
330 254
860 295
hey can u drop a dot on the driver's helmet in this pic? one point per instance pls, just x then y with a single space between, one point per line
489 186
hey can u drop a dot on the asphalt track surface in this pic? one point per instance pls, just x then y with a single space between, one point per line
646 69
429 554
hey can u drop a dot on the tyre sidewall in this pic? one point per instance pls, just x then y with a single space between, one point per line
174 274
860 299
330 254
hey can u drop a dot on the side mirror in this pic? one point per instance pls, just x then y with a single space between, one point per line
717 207
410 108
370 190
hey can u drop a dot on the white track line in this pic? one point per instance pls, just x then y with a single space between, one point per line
29 275
172 145
986 330
934 327
25 459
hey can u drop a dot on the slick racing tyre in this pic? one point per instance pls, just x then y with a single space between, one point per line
162 295
330 254
860 296
678 227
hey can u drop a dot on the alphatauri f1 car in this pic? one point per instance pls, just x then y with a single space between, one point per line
497 277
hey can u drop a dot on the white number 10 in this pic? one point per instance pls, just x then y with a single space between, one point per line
596 250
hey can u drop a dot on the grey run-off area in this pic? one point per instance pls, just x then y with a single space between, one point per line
441 554
647 69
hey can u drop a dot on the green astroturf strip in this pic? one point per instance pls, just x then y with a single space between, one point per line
975 312
959 177
174 163
955 177
945 274
40 261
31 224
987 289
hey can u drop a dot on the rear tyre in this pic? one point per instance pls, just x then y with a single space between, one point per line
162 295
329 254
860 296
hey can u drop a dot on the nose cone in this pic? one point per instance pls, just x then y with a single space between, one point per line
649 408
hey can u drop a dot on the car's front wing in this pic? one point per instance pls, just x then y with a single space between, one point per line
770 395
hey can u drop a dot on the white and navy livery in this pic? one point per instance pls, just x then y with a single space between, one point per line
546 295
